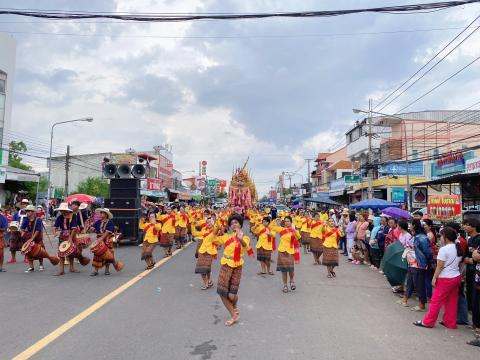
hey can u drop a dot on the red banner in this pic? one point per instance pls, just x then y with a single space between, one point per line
444 207
154 184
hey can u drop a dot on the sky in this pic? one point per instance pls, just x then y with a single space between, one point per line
275 90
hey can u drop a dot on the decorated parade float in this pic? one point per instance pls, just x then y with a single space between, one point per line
242 193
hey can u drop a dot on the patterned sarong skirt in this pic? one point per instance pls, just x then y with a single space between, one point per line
285 262
228 280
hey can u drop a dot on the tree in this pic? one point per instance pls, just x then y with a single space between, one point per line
14 158
263 198
95 186
222 195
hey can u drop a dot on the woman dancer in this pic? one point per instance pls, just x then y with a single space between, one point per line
331 238
288 251
207 253
265 246
316 239
151 232
235 244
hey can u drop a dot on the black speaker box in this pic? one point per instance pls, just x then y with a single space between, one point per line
128 226
124 188
123 207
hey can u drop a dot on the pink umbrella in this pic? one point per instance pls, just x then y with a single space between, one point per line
80 197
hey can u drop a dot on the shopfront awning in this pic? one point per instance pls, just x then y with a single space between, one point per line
326 201
153 193
454 179
8 173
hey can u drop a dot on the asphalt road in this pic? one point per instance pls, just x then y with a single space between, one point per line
166 315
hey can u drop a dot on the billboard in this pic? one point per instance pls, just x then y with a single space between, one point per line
444 207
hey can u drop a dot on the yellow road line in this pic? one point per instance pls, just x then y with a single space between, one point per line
42 343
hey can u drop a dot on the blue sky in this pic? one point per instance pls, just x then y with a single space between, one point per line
277 90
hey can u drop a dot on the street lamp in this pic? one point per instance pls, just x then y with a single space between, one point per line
87 119
356 111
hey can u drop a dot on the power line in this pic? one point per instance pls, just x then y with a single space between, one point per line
169 17
255 36
440 84
424 66
434 65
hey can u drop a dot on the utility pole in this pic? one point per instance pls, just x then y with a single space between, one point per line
409 196
370 157
308 176
67 167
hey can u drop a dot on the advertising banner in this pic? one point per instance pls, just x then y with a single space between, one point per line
444 207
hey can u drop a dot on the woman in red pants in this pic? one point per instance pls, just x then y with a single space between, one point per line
446 282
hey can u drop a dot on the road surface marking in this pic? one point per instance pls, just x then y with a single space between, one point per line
42 343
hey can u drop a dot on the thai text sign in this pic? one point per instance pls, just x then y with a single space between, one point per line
154 184
472 165
444 207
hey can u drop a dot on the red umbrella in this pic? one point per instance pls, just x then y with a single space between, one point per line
80 197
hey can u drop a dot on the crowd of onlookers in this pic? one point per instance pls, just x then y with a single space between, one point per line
442 260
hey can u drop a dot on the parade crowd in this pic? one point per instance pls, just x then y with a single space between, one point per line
443 263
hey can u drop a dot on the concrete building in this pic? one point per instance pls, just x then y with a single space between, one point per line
7 80
332 174
160 167
418 135
8 174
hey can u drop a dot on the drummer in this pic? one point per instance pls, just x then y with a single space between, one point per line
3 229
85 212
104 229
65 223
32 229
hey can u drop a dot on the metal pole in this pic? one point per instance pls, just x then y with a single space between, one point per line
67 167
49 171
370 157
409 200
36 195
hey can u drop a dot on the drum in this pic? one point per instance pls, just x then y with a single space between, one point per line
118 265
98 248
66 249
83 240
84 261
31 249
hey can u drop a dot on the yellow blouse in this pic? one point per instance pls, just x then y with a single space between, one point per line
151 232
209 243
168 221
316 230
285 240
181 220
199 223
305 225
229 251
332 237
264 241
298 221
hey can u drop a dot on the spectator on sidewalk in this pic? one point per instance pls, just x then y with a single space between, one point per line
446 282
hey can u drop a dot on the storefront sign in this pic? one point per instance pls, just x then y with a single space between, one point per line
154 184
450 164
444 207
398 195
419 197
352 179
158 194
399 168
472 165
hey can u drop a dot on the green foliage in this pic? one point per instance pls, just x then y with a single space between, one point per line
264 198
14 158
95 186
222 195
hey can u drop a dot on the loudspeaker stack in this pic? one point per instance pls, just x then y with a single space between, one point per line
124 203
